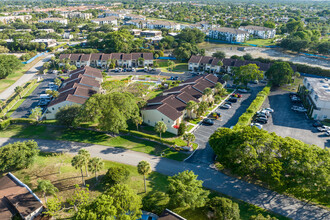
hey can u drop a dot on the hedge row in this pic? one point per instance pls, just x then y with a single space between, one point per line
246 118
4 124
148 136
16 97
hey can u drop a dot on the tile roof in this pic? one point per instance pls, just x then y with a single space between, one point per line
15 197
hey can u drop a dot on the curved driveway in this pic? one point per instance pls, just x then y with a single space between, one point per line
213 179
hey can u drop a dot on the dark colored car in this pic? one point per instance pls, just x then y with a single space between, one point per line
261 120
208 121
228 103
317 124
233 100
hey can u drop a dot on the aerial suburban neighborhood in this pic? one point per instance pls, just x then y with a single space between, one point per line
164 110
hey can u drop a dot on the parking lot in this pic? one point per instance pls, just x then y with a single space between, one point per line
286 122
229 117
32 101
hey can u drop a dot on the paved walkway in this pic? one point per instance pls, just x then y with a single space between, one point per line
213 179
25 78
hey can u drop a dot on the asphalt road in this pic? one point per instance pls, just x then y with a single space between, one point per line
285 122
32 101
213 179
25 78
229 117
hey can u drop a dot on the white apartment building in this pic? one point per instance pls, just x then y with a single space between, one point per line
10 19
229 34
54 20
259 32
318 97
107 20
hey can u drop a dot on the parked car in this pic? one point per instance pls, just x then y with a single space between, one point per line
225 106
261 120
258 125
269 110
317 124
327 133
232 99
242 90
323 128
208 121
133 69
228 103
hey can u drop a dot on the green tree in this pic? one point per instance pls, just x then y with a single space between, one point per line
182 128
18 155
102 207
186 191
36 114
137 120
111 111
144 169
19 90
67 114
54 206
189 137
47 188
279 73
192 36
207 93
160 127
219 54
247 73
78 162
202 107
95 165
127 203
226 77
8 65
170 65
116 175
86 157
269 24
57 82
141 61
224 208
261 217
80 197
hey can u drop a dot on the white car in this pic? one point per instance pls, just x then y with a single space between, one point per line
269 110
225 106
242 90
258 125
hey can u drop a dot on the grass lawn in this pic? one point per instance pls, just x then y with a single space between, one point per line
47 166
12 78
22 100
92 137
179 68
261 42
189 127
193 120
293 87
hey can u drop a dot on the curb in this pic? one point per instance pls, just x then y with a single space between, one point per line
191 153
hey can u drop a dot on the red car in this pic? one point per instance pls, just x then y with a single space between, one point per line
237 95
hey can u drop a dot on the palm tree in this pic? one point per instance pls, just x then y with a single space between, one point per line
19 90
137 121
189 137
207 92
218 87
86 155
144 169
78 162
46 187
95 165
160 128
191 107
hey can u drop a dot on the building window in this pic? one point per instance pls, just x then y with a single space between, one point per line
162 119
168 121
53 108
148 121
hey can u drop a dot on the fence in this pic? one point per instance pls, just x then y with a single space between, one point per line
35 57
239 43
166 58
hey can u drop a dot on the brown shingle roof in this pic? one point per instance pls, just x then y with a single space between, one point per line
127 57
96 56
106 57
71 85
175 103
64 56
169 111
78 95
75 57
15 197
212 78
193 92
85 57
186 97
169 215
195 59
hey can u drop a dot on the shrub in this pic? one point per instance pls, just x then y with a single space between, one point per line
67 114
246 118
116 175
182 128
4 124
